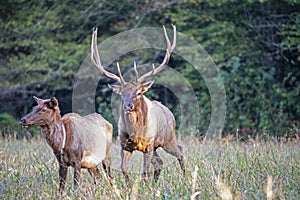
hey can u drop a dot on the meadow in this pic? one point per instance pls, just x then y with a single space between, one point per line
224 169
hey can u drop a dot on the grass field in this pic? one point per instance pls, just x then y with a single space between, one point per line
215 170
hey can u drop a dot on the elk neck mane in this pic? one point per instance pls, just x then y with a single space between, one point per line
52 131
57 116
57 119
139 117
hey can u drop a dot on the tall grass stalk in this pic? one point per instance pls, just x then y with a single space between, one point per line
214 170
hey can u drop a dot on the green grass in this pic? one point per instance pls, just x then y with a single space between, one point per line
215 170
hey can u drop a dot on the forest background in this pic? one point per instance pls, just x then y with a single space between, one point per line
254 44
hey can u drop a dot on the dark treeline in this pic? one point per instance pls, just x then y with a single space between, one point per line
255 45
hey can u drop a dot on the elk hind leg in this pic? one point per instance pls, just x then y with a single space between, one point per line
176 150
106 166
94 172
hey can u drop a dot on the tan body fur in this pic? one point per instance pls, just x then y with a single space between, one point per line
72 146
143 125
149 126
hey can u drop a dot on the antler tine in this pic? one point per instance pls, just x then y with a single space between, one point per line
120 74
153 69
169 51
94 50
174 38
167 38
95 59
136 72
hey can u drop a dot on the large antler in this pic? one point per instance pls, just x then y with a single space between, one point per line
95 58
163 65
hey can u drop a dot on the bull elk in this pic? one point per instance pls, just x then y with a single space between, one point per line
75 140
143 125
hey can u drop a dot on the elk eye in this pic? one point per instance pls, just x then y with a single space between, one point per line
139 93
44 110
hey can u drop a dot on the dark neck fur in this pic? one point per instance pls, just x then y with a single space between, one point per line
53 133
136 121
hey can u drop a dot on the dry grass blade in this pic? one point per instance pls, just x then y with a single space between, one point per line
269 191
224 191
135 189
242 168
194 195
195 178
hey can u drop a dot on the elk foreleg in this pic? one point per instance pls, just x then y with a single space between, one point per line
77 169
157 163
125 156
63 170
147 160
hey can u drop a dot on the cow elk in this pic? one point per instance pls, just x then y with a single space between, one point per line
143 125
76 141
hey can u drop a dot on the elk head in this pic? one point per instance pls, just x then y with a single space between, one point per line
42 114
131 92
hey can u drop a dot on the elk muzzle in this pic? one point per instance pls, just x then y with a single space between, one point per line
24 123
129 107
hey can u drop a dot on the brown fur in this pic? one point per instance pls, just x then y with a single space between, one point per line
47 115
143 125
133 133
136 118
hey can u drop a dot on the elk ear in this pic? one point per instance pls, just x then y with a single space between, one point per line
38 100
53 103
116 88
145 86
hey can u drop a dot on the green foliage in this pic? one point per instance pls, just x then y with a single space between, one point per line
8 123
255 45
9 127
